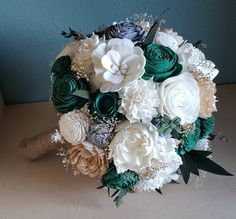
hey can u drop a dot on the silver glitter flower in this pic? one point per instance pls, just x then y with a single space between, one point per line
100 134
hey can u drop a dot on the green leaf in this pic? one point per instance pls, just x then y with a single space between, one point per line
119 199
159 191
115 193
204 153
185 173
190 165
206 164
81 93
152 32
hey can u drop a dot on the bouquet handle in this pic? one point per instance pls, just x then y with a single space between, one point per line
39 145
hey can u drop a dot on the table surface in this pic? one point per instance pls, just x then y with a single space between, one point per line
43 189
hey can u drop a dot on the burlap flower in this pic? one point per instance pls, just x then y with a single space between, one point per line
207 98
86 162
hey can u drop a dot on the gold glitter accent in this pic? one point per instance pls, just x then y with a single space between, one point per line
186 128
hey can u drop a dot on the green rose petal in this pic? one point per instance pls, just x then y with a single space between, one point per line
61 66
161 63
105 105
62 93
207 126
111 179
191 139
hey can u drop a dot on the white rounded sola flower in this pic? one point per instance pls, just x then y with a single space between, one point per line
117 63
189 56
74 126
163 168
133 147
169 38
180 97
140 101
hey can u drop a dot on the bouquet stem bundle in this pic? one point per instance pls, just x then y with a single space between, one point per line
39 145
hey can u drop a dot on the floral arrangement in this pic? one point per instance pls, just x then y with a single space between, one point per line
135 103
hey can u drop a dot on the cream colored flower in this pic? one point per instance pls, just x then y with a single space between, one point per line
179 97
80 53
207 98
74 126
87 162
140 101
133 147
117 63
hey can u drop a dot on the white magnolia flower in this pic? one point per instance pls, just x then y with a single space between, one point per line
202 145
189 56
140 101
169 38
117 63
179 97
74 126
163 168
133 147
80 53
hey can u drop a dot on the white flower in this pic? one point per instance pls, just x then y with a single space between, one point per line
80 53
169 38
189 56
74 126
179 97
204 70
163 168
133 147
140 101
202 145
117 63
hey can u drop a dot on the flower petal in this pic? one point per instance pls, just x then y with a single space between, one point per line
111 61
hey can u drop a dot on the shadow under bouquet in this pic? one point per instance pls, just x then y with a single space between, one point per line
135 102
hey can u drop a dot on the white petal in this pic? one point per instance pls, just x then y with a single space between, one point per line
111 61
113 78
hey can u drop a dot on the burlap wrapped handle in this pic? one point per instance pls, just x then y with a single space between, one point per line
39 145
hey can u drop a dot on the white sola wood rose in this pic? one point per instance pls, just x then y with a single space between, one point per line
117 63
74 126
163 168
179 97
140 101
133 147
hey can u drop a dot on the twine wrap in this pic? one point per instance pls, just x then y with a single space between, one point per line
39 145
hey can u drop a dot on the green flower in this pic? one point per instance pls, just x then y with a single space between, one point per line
64 94
161 63
207 126
190 140
105 105
61 66
123 181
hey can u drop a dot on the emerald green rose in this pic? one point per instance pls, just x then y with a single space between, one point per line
61 66
161 63
207 126
105 105
190 140
65 93
111 179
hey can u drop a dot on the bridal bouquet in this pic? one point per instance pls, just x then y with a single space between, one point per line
135 102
